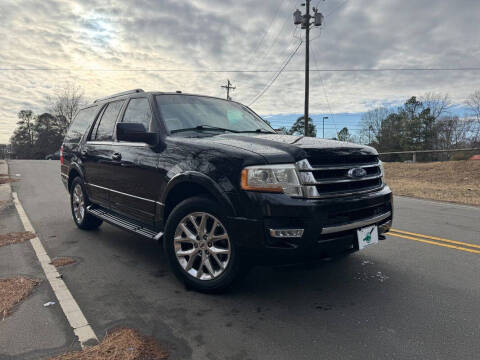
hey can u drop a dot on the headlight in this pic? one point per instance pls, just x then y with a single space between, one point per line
272 178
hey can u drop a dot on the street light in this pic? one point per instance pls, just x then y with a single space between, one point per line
325 117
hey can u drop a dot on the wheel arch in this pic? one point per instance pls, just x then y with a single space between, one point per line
186 185
75 171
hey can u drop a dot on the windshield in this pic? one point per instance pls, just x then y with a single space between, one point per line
198 113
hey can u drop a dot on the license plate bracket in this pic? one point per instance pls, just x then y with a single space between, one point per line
367 236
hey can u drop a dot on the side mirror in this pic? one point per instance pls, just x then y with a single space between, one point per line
136 132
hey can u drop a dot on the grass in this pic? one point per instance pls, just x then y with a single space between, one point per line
452 181
13 291
120 344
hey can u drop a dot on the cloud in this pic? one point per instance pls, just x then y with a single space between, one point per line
83 37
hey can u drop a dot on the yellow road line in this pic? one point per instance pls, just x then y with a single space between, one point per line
436 238
434 243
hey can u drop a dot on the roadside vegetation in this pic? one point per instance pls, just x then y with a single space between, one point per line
38 135
15 237
453 181
120 344
423 123
62 261
13 291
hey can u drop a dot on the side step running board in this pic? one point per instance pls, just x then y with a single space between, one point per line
123 222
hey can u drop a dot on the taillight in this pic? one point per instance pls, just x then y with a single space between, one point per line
61 154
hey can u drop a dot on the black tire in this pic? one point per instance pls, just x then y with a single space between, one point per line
232 270
87 221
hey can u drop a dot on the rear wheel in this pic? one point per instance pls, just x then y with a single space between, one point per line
79 202
199 247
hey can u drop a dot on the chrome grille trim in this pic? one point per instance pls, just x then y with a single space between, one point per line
318 185
356 224
345 193
343 167
342 180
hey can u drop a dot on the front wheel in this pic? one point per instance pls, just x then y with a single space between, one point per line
199 247
78 203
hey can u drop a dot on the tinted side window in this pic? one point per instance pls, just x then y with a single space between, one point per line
138 111
81 123
107 122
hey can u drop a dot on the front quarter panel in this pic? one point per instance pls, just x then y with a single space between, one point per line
216 167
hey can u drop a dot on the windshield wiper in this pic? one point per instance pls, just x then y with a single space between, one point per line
204 127
257 131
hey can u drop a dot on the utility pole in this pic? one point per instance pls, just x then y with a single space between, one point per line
228 87
304 20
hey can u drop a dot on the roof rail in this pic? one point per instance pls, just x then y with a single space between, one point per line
119 94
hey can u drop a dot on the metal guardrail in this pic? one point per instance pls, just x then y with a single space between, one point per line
415 152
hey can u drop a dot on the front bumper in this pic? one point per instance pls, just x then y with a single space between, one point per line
329 225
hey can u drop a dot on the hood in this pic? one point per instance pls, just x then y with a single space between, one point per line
276 148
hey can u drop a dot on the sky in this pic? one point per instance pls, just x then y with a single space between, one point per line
112 46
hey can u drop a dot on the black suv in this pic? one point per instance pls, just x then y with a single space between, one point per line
219 185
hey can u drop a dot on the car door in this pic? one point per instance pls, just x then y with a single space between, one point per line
99 160
137 193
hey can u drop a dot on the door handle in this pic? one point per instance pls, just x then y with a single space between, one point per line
117 156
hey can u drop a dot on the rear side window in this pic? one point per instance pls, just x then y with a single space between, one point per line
107 122
138 111
81 123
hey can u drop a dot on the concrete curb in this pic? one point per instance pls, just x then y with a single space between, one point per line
5 189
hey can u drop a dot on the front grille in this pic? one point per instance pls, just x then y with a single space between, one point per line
349 216
331 178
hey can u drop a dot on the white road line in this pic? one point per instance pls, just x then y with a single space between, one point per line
70 308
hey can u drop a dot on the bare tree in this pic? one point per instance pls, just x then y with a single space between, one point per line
473 105
371 124
452 132
65 103
437 103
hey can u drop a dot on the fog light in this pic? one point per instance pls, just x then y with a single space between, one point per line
286 233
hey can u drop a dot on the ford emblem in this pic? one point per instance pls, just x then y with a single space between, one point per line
356 173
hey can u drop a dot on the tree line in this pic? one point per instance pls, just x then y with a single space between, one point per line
38 135
298 128
424 123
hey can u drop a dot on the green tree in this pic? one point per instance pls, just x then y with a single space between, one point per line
23 138
298 128
49 134
344 135
37 136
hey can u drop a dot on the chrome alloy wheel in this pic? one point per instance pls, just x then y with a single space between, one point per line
78 203
202 245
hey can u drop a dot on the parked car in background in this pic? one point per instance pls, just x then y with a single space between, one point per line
218 185
54 156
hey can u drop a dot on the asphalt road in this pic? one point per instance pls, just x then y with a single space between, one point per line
406 298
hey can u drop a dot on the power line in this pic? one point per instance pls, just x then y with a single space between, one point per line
336 8
324 88
265 33
276 76
245 71
272 44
